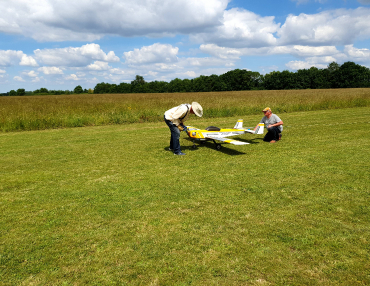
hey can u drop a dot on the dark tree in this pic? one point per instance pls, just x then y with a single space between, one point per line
78 89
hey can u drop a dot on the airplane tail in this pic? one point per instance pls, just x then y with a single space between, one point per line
259 129
239 124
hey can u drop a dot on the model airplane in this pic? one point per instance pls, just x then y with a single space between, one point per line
214 133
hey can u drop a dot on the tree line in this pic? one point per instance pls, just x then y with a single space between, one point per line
44 91
347 75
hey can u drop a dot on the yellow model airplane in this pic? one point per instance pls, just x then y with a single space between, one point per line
214 133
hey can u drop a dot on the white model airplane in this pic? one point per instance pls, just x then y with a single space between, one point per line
214 133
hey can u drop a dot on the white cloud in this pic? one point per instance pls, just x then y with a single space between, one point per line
11 58
50 70
156 53
242 28
18 78
31 74
349 54
300 65
221 52
28 61
117 71
88 20
2 71
359 55
336 27
299 2
365 2
296 51
191 74
74 57
99 66
72 77
307 51
153 73
36 79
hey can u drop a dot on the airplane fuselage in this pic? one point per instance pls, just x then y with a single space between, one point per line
199 134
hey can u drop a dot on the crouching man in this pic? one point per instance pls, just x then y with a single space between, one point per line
274 126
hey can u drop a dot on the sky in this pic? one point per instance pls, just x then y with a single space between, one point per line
60 44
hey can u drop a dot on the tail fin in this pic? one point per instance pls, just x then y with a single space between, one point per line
239 124
259 129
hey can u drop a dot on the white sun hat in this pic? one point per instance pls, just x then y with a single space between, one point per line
197 108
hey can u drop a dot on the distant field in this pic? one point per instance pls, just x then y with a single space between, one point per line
60 111
110 205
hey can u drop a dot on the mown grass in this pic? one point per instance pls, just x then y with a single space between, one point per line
109 205
61 111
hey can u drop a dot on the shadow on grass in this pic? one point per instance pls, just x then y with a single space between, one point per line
224 149
211 145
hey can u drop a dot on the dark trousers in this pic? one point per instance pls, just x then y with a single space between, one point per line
272 134
175 137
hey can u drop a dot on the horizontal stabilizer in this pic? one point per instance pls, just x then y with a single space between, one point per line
259 129
227 140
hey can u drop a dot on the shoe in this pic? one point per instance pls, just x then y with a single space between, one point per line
180 153
169 149
272 141
279 136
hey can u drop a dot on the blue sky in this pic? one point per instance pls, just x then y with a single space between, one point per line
61 44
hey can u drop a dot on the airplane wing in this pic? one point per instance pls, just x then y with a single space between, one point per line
250 131
227 140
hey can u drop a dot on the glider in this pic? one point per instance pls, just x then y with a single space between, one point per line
214 133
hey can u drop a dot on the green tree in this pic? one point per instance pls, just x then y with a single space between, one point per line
139 80
139 85
44 90
12 92
78 89
124 87
102 88
21 91
333 66
353 75
175 85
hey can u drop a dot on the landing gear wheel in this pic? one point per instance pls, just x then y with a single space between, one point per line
218 146
194 146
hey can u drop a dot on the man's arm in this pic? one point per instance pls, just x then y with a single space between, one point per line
178 114
275 124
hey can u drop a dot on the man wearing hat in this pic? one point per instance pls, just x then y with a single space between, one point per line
175 117
273 124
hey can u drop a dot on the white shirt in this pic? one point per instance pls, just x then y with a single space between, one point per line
178 114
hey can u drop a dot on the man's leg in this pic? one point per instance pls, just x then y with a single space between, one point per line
175 137
272 134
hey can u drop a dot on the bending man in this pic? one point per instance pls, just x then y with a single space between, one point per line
274 126
175 118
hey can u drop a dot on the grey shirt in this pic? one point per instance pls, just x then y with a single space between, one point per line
272 120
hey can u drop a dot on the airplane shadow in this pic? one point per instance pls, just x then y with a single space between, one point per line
224 149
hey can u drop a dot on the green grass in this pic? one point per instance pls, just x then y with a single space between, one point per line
63 111
110 206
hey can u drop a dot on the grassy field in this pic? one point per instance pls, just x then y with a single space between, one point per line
110 206
61 111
